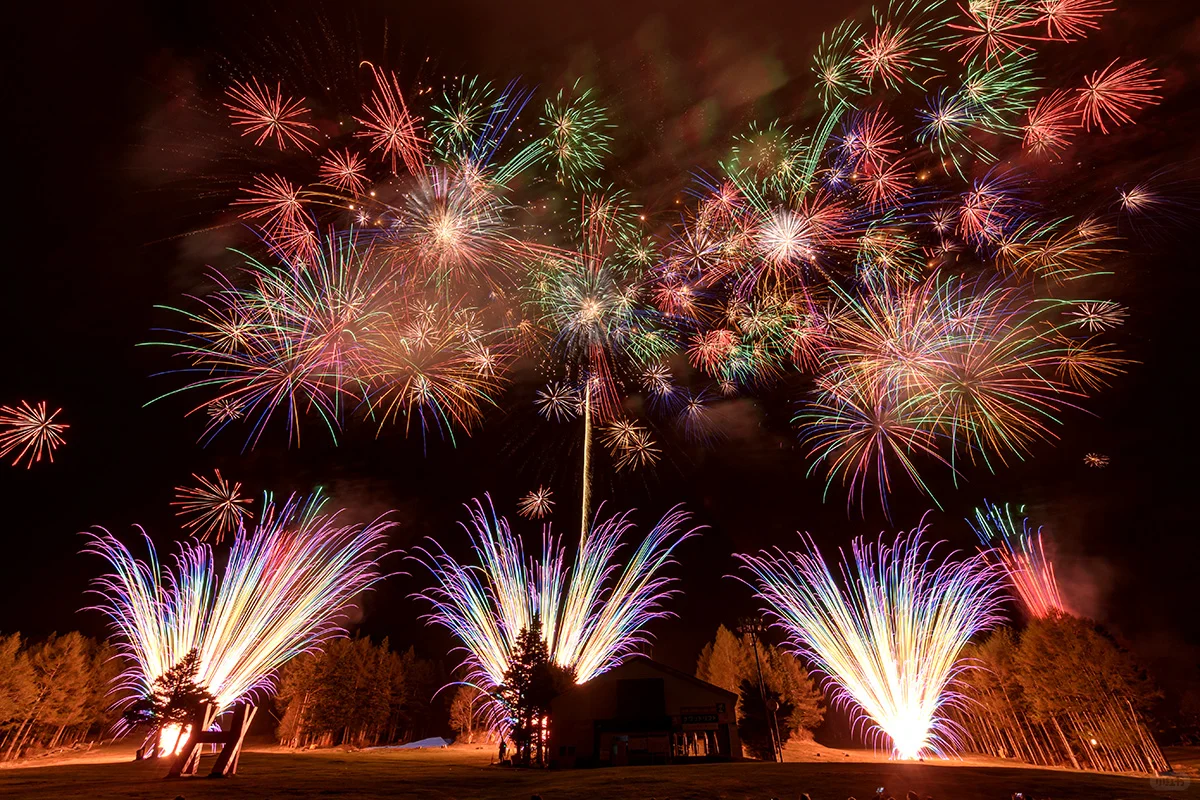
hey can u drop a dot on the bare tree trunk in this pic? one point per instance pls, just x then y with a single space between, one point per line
1066 744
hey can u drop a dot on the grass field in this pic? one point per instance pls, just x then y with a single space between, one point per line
464 772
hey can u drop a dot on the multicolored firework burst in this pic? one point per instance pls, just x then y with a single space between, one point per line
281 593
335 333
594 609
31 429
887 636
215 507
892 249
918 286
1019 550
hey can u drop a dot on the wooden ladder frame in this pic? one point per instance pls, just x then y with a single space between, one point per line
187 762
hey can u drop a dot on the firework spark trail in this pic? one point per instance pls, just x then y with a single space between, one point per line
594 610
888 635
1020 551
1110 96
282 593
31 429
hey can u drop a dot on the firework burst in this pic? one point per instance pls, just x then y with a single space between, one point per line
537 504
214 508
30 431
253 107
281 593
594 610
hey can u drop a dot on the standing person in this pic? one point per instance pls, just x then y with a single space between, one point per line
503 748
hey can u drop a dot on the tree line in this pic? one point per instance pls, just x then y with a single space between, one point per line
53 693
355 692
1060 692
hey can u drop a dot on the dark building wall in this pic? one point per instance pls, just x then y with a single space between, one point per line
643 712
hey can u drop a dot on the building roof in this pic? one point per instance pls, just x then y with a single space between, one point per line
615 674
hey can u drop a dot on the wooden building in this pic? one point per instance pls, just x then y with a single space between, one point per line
643 712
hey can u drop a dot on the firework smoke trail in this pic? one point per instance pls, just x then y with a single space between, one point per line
281 594
594 610
888 635
1019 550
31 429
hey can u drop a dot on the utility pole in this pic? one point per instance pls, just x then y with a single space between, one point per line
752 627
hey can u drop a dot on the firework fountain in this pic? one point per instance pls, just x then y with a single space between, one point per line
281 593
594 609
888 635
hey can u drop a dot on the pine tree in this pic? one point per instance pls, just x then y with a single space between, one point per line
530 685
176 697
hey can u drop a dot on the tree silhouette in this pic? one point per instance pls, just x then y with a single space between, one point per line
175 698
531 683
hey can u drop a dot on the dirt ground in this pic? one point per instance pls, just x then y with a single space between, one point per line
463 772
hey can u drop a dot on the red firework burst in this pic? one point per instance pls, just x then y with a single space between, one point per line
32 430
1069 20
344 170
1052 123
390 126
1112 94
269 115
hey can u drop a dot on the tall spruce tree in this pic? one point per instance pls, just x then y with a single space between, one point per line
532 682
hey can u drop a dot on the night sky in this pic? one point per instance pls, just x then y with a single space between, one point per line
102 227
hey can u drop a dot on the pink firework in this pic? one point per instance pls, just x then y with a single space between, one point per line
985 210
872 140
32 430
390 127
276 202
344 171
1110 96
256 109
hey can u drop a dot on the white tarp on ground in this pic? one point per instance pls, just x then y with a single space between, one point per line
435 741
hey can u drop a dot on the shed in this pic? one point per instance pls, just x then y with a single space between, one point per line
643 712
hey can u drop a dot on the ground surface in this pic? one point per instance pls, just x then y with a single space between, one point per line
464 772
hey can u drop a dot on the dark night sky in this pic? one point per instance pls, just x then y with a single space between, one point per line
93 243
